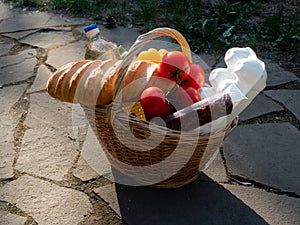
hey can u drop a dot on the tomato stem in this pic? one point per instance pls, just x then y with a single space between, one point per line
176 75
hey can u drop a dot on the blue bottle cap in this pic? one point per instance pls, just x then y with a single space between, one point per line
90 27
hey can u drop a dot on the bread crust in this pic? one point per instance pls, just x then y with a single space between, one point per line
137 79
52 81
64 77
93 82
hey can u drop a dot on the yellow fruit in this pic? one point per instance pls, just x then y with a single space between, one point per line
162 52
152 54
142 56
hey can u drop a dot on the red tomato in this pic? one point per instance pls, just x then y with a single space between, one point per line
154 103
195 79
175 66
186 97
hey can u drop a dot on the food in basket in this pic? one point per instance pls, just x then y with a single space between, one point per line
184 97
155 103
174 66
183 156
195 79
200 113
86 82
93 82
186 79
142 74
59 81
152 54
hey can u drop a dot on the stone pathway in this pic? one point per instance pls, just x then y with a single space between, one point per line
47 174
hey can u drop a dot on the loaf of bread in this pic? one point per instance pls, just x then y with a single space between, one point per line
93 82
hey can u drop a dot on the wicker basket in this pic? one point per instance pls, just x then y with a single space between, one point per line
174 162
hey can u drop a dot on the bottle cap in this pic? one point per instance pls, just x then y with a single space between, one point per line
91 30
90 27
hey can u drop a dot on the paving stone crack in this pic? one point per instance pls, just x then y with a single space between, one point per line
235 179
283 116
59 46
13 64
294 85
223 159
217 60
76 184
44 27
2 20
100 208
50 67
19 47
27 81
23 105
13 209
29 34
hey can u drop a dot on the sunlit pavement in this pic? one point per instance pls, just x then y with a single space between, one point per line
47 177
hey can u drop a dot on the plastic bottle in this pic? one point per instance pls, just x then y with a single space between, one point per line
99 48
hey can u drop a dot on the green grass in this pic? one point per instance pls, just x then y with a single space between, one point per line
206 26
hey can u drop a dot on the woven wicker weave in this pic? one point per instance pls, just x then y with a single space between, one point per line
172 163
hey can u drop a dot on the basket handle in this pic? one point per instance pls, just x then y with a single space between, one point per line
143 40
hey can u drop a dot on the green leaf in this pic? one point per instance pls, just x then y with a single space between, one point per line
228 32
296 37
280 38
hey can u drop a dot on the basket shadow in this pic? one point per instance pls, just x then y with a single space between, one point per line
201 202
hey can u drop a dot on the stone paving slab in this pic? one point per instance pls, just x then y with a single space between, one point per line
84 171
266 153
69 53
5 47
75 51
40 82
290 98
20 34
275 209
93 161
197 203
8 122
9 96
120 35
259 106
47 111
109 194
12 60
7 151
216 171
11 219
277 75
46 202
30 20
47 152
49 38
24 63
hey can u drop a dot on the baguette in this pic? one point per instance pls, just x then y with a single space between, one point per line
93 82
